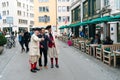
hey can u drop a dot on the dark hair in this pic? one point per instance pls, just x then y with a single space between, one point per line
108 38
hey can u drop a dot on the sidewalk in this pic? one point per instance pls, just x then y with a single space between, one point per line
74 65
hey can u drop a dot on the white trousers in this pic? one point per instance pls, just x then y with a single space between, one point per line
52 52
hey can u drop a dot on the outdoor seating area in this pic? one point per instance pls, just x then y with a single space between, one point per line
108 54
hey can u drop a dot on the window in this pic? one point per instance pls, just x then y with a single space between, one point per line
19 13
31 1
32 22
59 19
31 7
7 4
4 21
44 18
106 2
59 0
4 13
31 15
44 9
23 13
27 14
23 5
59 8
68 8
94 5
68 18
43 0
67 0
22 21
7 12
19 4
117 3
63 8
27 6
47 9
3 4
64 18
63 0
85 9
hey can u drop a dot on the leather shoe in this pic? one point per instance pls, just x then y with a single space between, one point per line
32 70
57 66
52 66
36 69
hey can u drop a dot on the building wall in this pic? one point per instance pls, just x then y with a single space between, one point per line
13 8
63 14
52 12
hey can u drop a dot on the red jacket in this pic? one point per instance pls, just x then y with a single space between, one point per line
51 44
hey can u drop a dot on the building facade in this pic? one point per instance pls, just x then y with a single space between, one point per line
63 13
16 14
45 13
76 15
96 10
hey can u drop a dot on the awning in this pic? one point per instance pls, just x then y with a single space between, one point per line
96 21
117 16
62 27
102 19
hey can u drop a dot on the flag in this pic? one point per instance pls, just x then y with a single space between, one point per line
0 16
66 20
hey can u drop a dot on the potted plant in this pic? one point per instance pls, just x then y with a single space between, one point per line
3 41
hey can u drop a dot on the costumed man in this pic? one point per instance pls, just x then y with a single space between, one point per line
43 48
52 48
34 50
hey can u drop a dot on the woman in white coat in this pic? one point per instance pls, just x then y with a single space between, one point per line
34 53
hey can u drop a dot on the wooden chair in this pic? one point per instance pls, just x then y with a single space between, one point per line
99 52
83 46
108 55
87 46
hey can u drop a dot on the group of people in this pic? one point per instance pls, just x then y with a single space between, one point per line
24 39
97 40
40 44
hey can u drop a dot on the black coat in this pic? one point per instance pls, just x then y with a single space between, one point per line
27 37
45 42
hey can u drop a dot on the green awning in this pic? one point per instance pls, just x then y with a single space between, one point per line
102 19
117 16
62 27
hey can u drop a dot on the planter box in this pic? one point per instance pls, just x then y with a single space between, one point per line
1 49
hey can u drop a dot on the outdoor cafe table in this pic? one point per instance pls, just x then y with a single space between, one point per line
115 52
93 46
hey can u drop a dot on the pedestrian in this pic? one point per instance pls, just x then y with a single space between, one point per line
34 52
52 48
26 39
43 48
15 33
108 41
96 40
69 42
21 41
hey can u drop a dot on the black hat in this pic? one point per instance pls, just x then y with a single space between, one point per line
37 29
48 27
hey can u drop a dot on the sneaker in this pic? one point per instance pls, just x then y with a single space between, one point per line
36 69
33 71
52 66
57 66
